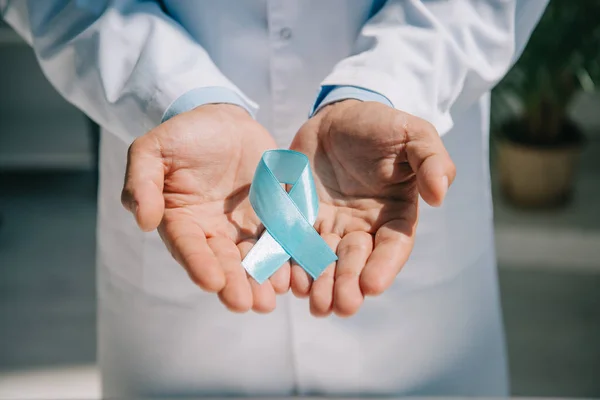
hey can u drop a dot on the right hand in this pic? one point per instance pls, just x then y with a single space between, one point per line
371 163
190 177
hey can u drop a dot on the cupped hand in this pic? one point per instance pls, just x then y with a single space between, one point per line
370 163
189 177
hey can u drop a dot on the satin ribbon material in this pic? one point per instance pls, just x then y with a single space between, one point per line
288 217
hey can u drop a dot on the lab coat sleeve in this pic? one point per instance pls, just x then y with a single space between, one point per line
333 94
435 58
123 62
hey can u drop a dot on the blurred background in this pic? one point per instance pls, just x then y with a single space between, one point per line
545 152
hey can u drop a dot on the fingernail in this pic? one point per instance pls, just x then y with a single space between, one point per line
444 186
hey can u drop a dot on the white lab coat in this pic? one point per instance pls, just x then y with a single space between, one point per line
437 330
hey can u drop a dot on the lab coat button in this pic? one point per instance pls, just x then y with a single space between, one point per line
285 33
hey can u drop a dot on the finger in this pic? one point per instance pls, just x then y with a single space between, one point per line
353 252
321 293
237 294
301 282
430 160
281 279
393 244
187 244
263 295
144 179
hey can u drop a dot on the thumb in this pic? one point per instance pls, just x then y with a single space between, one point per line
434 177
432 164
144 180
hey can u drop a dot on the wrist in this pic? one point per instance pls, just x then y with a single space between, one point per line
338 105
198 97
334 94
331 114
224 113
225 108
327 114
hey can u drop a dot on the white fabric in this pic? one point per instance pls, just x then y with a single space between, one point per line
437 331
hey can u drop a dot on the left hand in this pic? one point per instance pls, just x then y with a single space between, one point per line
370 163
190 177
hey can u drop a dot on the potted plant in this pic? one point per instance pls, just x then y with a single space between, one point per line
538 145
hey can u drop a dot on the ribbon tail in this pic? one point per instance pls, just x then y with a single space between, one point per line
264 258
288 217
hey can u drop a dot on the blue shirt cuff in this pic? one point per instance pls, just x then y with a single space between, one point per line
332 94
206 95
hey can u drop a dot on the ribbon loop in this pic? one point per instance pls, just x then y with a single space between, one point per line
288 217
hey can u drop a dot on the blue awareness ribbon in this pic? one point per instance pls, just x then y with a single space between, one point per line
288 217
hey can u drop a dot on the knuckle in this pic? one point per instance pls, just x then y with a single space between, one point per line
347 275
142 144
430 128
353 248
231 253
401 125
421 129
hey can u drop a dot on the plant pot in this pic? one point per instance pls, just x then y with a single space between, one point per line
537 177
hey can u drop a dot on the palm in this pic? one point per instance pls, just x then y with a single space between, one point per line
208 157
368 194
208 181
356 191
